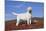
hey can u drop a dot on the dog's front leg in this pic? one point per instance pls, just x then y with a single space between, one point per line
17 21
28 21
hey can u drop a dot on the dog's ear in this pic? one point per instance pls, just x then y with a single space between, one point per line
30 11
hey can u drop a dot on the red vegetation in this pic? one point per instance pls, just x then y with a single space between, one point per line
12 25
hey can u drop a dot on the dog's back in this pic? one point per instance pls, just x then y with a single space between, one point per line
24 16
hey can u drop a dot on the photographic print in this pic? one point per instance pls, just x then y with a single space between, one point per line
22 15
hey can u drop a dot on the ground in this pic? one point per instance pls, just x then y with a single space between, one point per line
11 25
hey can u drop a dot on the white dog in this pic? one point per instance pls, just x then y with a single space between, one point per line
24 16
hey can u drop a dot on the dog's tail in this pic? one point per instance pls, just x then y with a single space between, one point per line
14 13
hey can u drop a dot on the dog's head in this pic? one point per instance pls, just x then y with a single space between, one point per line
29 9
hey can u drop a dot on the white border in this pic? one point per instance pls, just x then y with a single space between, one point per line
2 15
44 15
2 18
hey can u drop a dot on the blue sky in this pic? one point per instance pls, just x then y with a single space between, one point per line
20 7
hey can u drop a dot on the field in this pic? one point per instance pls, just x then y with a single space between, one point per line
37 23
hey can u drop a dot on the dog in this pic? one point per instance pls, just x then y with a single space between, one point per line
24 16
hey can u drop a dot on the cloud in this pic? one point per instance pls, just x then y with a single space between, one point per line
18 6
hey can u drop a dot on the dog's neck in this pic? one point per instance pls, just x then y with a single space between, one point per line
27 12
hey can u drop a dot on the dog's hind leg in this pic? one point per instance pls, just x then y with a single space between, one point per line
17 21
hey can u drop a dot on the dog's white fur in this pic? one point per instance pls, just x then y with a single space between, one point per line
23 16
